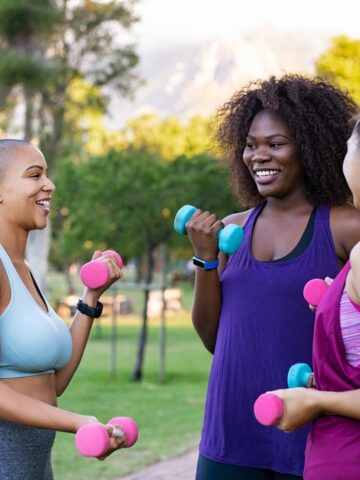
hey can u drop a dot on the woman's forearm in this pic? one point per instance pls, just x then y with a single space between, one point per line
345 404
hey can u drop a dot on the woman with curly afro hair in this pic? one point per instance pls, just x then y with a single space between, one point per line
285 139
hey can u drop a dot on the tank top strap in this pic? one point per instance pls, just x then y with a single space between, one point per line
323 213
248 225
322 225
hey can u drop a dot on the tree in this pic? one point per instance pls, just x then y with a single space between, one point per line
341 64
48 49
168 138
24 30
127 200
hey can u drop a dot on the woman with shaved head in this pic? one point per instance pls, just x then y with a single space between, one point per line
39 354
285 139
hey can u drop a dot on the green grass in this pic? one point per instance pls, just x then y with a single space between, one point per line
169 414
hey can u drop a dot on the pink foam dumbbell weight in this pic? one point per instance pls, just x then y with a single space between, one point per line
95 274
268 409
93 440
314 290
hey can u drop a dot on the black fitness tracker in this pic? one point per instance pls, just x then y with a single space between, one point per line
93 312
199 262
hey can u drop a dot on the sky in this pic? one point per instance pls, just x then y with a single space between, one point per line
185 46
186 21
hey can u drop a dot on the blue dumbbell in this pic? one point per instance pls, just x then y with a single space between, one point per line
230 237
298 375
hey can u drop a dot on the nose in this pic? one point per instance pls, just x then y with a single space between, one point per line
261 154
48 185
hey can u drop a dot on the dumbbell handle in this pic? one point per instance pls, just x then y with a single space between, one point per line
269 409
95 273
93 440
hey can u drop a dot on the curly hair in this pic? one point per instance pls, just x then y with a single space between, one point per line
318 116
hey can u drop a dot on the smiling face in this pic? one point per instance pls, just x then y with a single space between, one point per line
271 156
351 165
25 189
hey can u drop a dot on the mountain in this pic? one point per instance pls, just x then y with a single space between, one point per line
182 80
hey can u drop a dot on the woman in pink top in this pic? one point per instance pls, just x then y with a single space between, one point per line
333 446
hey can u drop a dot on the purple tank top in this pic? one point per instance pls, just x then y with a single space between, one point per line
265 327
333 446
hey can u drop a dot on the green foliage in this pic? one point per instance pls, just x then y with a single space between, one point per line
19 68
127 200
22 18
48 47
167 137
341 64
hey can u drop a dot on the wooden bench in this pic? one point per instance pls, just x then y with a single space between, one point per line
172 297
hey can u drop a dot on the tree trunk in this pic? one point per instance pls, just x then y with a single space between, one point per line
68 279
28 117
162 252
138 369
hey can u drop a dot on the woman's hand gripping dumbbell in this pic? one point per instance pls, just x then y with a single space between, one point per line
98 271
94 440
229 238
269 408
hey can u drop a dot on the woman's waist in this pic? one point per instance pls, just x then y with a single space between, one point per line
41 387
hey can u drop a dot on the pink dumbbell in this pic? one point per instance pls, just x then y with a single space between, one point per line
93 440
95 274
268 409
314 290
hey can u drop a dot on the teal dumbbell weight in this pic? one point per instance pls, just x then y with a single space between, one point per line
298 375
230 237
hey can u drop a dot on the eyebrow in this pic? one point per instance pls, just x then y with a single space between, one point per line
270 136
34 166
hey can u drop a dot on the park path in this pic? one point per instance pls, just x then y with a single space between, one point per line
177 468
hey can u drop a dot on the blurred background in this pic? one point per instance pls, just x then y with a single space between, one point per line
121 97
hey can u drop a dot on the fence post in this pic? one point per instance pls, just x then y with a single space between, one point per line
162 252
113 335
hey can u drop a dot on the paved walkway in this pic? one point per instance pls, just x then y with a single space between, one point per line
178 468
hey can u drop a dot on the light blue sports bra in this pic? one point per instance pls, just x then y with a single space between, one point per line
32 341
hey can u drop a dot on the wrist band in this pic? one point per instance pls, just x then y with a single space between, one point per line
199 262
93 312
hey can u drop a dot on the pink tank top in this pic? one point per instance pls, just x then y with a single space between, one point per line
333 445
350 328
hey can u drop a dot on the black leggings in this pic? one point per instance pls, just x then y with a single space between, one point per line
210 470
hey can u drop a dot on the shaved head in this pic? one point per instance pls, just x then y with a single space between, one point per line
10 150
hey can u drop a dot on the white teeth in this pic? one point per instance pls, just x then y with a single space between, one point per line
44 203
266 173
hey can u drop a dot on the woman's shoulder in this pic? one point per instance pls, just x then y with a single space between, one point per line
345 226
239 218
345 216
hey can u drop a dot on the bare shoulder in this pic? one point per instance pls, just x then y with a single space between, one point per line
345 217
345 226
238 218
